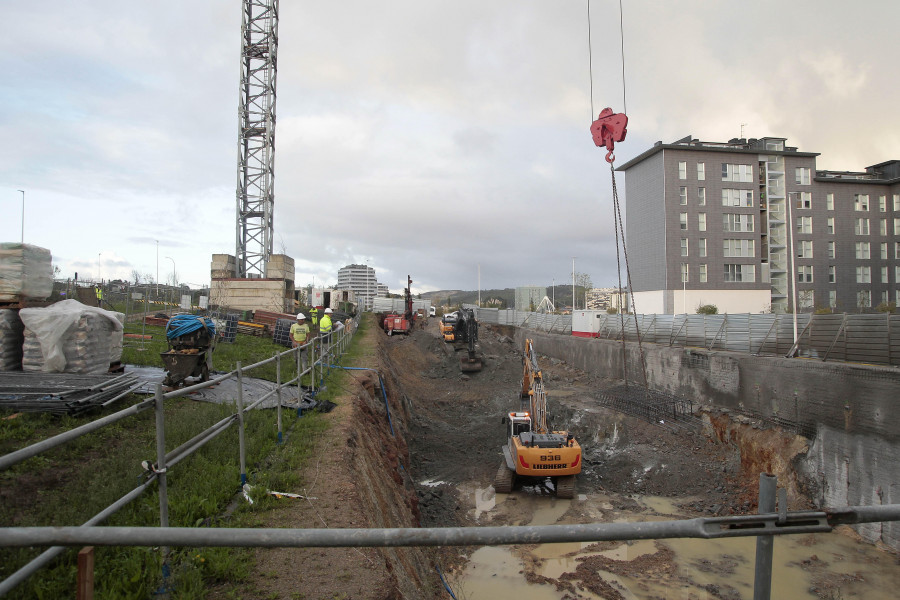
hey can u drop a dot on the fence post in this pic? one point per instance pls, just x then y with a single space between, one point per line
278 392
762 578
240 414
161 474
85 580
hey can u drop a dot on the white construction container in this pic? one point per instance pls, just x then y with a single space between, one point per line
586 323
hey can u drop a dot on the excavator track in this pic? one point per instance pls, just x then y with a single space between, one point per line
565 487
503 482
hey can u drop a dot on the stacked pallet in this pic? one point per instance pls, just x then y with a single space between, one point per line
11 340
26 273
69 337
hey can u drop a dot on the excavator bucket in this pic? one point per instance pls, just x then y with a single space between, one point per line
470 365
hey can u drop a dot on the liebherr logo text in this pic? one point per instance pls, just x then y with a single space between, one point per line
556 466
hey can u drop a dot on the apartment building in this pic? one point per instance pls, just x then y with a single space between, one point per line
361 279
753 226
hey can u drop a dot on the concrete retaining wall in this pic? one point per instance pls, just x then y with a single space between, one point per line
851 408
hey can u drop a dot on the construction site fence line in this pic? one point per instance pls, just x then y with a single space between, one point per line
846 337
793 523
330 347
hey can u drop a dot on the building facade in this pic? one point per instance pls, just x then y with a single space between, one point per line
752 226
528 297
361 280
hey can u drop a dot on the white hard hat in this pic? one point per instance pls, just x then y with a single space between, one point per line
300 316
328 311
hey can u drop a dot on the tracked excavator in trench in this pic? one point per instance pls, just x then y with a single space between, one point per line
533 451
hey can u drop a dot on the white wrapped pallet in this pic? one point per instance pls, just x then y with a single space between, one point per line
70 337
26 272
11 340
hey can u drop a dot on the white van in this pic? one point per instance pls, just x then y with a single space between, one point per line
432 311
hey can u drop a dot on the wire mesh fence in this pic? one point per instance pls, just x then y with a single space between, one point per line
864 338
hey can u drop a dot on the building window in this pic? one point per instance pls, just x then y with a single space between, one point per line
897 274
864 299
896 202
804 274
884 250
829 225
732 197
804 224
738 248
682 170
682 220
801 175
703 273
701 196
743 273
896 226
701 171
701 247
862 226
684 247
896 249
802 200
738 223
831 274
741 173
862 251
805 249
882 226
682 196
882 203
829 201
863 275
832 298
701 221
830 249
806 299
860 202
885 296
685 273
884 275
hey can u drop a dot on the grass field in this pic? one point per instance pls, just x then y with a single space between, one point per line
70 484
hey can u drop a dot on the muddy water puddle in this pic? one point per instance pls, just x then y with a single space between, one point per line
806 566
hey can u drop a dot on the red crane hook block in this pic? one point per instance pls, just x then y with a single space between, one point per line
608 129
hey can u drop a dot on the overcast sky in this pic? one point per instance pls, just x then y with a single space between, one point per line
420 136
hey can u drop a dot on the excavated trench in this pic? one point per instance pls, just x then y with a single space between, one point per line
447 451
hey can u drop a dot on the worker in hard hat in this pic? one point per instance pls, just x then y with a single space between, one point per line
314 316
98 291
299 337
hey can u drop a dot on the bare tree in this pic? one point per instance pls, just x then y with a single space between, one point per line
136 276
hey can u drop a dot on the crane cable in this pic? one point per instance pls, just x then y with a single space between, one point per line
617 211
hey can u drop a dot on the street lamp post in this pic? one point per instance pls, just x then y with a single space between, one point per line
573 284
99 275
23 215
157 270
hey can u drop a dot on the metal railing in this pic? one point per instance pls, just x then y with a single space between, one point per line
323 352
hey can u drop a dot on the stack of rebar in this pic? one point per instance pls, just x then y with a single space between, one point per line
63 393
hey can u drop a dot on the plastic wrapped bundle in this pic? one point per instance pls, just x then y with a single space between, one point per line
69 337
11 340
26 272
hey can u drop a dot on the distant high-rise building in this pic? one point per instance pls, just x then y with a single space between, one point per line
747 225
361 279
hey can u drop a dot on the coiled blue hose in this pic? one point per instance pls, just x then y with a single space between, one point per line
180 325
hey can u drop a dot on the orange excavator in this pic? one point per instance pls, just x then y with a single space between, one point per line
534 451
